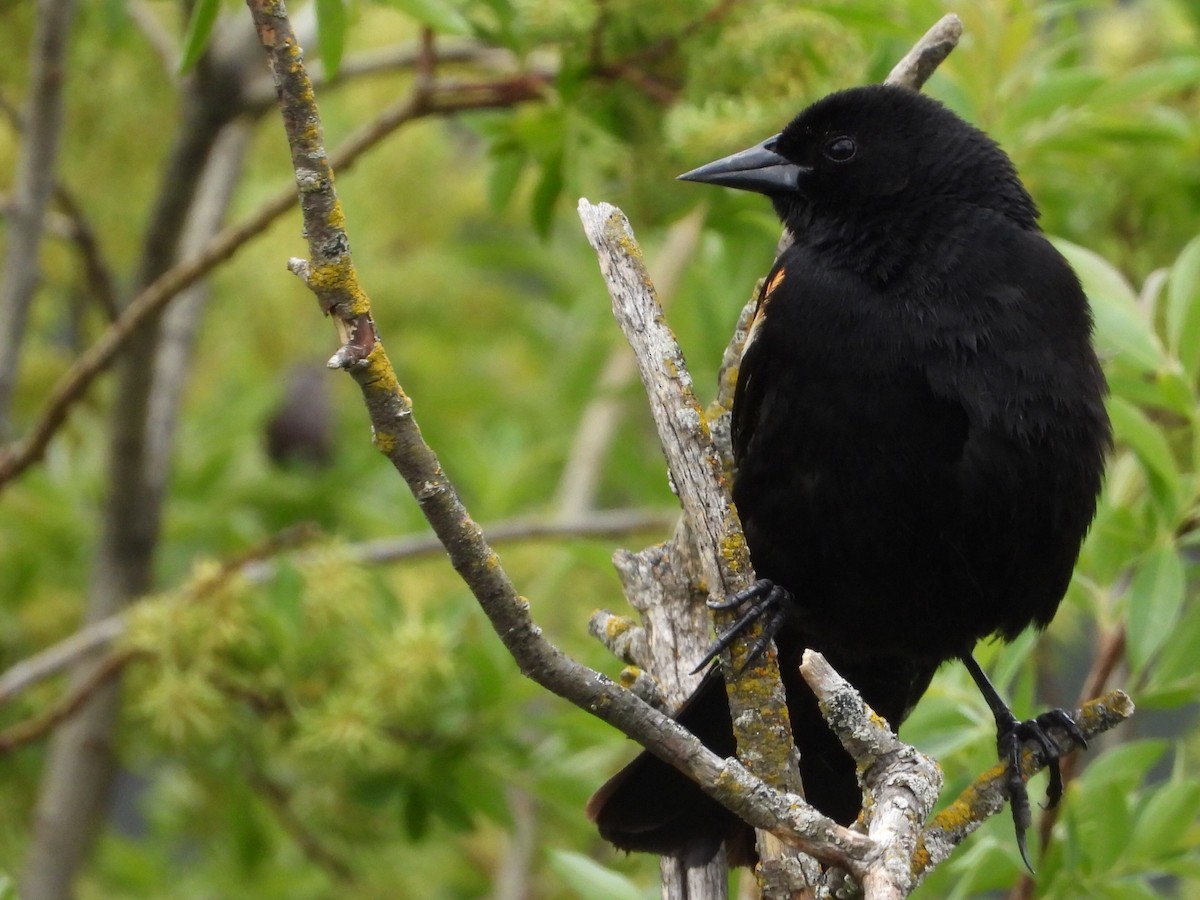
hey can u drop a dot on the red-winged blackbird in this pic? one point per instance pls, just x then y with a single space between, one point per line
919 435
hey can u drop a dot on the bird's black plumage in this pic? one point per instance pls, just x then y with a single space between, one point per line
918 430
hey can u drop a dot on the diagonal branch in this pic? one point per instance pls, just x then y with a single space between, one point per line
330 274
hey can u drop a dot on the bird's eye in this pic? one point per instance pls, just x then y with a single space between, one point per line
840 149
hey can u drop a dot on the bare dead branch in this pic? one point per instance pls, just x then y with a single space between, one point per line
927 54
598 422
757 702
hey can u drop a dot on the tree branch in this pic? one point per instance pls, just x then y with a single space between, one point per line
42 724
927 54
33 185
757 702
330 274
74 383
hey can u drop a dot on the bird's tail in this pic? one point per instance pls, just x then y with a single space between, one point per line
652 807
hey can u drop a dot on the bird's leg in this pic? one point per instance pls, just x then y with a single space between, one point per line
767 601
1011 736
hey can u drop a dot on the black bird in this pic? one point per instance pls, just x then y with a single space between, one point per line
919 435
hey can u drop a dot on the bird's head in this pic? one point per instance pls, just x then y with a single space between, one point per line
873 148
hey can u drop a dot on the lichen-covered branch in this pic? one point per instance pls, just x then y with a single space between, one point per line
757 702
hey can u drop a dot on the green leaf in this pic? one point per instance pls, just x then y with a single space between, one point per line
1149 80
1154 600
331 34
1122 327
504 176
1124 765
1134 428
589 880
1164 820
1104 824
1174 679
1052 91
416 813
1011 660
199 30
1183 307
548 189
441 16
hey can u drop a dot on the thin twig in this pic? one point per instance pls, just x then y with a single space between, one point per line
256 567
54 659
43 723
598 524
96 635
71 386
279 802
97 272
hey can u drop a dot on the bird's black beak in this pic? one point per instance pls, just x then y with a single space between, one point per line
758 169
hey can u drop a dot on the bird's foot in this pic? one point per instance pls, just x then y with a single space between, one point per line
1010 740
763 601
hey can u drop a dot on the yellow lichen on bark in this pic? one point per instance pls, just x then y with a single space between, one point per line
385 442
733 549
380 377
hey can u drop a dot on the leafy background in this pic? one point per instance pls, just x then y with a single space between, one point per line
372 705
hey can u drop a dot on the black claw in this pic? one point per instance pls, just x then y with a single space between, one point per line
1011 738
759 589
1009 744
1024 852
767 601
1054 790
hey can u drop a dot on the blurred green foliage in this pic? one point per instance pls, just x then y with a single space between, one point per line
371 714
